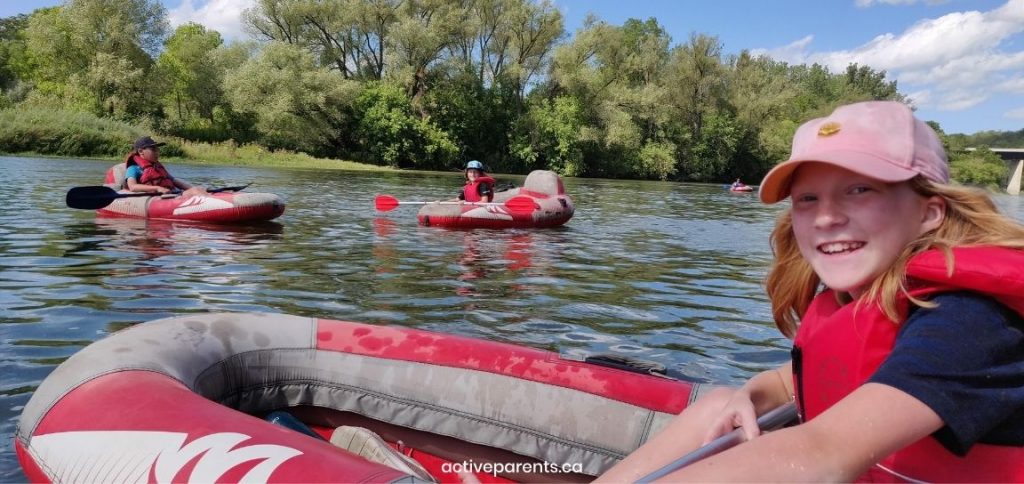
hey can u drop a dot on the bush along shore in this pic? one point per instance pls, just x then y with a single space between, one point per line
69 134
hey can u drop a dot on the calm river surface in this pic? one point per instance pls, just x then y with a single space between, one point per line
662 271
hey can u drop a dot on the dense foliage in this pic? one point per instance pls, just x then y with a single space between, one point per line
430 83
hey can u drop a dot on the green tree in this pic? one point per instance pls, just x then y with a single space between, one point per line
392 134
508 41
617 74
424 31
865 84
697 79
713 153
12 49
980 166
73 46
759 96
551 136
188 65
295 103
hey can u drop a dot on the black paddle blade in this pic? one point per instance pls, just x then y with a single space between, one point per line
97 197
90 198
229 189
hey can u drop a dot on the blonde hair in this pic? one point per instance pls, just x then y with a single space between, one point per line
972 219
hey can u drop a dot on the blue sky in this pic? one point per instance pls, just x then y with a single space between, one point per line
961 61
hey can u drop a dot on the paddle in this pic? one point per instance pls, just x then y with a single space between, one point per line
96 197
520 204
770 421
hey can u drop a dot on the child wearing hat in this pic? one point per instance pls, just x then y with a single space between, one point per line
145 173
904 295
479 187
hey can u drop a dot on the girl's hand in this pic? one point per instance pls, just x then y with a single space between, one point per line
161 190
737 413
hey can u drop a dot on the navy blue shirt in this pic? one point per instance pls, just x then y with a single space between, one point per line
965 360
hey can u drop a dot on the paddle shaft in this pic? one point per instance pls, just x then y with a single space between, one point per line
769 421
452 203
517 204
95 197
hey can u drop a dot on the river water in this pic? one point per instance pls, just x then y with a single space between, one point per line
661 271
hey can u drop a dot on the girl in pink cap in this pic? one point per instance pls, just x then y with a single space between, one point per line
908 359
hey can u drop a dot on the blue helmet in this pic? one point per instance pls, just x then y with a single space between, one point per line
474 165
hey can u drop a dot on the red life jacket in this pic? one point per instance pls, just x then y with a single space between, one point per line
153 173
835 352
471 191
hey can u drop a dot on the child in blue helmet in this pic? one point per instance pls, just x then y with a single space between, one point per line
479 187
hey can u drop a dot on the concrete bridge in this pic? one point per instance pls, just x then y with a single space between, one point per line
1014 158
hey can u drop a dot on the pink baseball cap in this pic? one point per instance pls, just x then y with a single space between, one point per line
879 139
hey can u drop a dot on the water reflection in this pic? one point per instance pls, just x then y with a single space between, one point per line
482 253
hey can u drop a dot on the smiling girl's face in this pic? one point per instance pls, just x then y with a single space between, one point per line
851 228
472 174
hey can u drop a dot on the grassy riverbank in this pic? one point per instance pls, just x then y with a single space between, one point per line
228 153
67 134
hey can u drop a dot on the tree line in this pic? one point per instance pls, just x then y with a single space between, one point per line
427 84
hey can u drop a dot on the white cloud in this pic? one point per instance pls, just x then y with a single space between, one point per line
1014 113
954 62
224 16
959 99
794 53
1014 86
919 98
928 43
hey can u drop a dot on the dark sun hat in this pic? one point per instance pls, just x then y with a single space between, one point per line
145 142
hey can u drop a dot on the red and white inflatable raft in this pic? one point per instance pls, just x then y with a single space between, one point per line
179 399
224 207
553 207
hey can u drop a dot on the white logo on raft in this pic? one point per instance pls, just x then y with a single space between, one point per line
201 204
130 456
489 211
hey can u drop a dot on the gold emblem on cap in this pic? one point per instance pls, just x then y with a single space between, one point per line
828 129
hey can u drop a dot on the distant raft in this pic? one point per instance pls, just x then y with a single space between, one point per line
224 207
553 207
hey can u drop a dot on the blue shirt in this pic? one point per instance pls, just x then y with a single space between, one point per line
135 172
965 360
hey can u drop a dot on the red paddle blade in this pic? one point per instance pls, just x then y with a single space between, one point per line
385 203
521 204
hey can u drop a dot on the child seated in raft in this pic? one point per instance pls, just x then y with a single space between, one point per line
479 187
908 361
145 173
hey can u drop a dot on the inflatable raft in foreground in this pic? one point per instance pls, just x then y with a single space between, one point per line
224 207
552 207
180 399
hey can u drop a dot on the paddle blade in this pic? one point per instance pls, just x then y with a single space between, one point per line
229 189
521 204
385 203
90 198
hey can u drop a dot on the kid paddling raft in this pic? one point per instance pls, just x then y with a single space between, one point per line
552 207
223 207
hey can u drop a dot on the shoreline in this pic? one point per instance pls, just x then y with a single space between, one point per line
260 159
